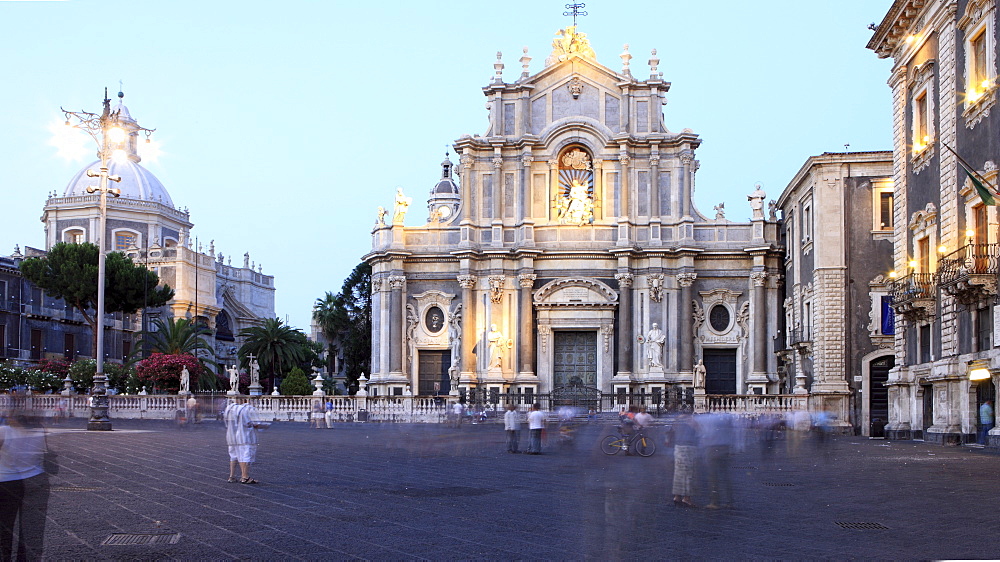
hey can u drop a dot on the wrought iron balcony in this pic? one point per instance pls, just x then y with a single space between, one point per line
913 296
970 273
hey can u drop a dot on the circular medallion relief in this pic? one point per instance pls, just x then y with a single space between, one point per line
434 319
719 318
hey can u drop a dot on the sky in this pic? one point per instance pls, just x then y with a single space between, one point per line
282 126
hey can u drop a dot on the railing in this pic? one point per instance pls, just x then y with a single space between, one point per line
400 409
751 404
912 287
971 259
800 337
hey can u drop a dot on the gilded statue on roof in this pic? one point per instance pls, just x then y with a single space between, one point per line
568 42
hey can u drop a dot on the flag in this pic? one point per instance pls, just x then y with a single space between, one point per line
984 193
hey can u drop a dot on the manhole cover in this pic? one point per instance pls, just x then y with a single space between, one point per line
861 525
132 539
446 492
744 468
73 489
778 484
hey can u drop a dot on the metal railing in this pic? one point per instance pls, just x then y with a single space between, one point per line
912 287
971 259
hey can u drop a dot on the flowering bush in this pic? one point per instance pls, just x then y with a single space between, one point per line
34 378
120 377
58 367
163 371
11 376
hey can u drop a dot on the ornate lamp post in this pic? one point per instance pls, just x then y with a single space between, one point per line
110 136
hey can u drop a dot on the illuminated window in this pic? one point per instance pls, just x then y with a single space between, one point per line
980 72
923 255
921 132
124 240
74 236
882 200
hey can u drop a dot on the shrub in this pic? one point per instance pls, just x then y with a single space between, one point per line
296 384
163 371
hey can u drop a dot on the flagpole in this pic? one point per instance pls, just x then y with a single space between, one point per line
969 167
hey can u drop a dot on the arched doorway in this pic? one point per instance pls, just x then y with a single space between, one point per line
878 394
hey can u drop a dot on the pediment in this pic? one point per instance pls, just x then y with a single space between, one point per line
575 292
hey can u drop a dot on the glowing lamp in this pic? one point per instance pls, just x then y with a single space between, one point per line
910 38
979 370
116 134
892 274
913 263
970 233
942 249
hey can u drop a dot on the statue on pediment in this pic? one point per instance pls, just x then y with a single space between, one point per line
568 42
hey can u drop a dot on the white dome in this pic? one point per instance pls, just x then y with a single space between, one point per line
137 182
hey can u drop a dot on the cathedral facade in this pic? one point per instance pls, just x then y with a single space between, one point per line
564 250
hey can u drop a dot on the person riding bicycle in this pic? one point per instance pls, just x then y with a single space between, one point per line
643 420
627 420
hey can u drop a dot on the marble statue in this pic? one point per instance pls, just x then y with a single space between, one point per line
234 378
454 377
402 204
455 335
380 216
756 200
577 207
185 381
246 260
254 373
654 346
496 341
720 211
699 374
772 210
568 42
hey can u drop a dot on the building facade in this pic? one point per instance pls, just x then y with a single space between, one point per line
837 229
944 87
564 251
144 224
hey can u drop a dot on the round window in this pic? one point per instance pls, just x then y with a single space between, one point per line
434 319
719 318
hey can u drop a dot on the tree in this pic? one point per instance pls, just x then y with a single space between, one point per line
297 384
275 345
182 336
346 320
164 370
69 272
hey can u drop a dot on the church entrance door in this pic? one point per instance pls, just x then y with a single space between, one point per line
432 372
575 358
720 371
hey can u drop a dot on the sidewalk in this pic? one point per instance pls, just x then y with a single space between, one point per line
382 491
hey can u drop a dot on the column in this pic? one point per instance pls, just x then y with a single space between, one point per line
527 341
624 324
553 193
759 314
466 363
467 161
654 182
687 175
685 321
396 283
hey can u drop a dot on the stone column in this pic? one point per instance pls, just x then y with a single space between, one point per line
624 324
466 361
527 341
758 312
654 182
553 194
396 283
467 160
685 322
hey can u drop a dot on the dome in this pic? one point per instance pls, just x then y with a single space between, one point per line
445 186
137 182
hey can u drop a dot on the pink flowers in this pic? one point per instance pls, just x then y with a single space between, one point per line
164 371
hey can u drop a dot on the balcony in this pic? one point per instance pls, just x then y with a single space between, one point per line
969 274
913 296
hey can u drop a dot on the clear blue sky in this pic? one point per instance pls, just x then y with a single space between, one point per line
283 125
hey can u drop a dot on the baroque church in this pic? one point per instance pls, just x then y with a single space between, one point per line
564 251
144 224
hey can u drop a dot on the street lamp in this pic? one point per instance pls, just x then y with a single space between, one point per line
106 130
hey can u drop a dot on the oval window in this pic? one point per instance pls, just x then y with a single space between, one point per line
719 318
434 319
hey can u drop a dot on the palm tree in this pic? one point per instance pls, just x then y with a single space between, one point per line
276 346
183 336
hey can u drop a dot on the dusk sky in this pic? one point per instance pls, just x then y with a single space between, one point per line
283 125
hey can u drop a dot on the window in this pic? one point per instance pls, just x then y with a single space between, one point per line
921 130
925 343
983 326
980 63
807 321
124 240
74 236
882 200
719 317
923 255
807 223
979 225
979 76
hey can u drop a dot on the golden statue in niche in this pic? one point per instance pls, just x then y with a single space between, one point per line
575 202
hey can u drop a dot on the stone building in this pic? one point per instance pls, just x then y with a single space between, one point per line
563 252
837 228
144 224
944 88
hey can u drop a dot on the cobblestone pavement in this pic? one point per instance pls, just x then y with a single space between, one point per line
381 491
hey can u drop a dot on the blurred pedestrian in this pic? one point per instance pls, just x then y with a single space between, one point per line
685 440
643 420
192 410
24 488
985 422
328 414
317 417
536 423
512 425
241 436
717 439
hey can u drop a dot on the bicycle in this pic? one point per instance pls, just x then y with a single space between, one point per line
638 441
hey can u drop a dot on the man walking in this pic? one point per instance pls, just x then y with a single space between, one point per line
241 436
536 423
512 425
